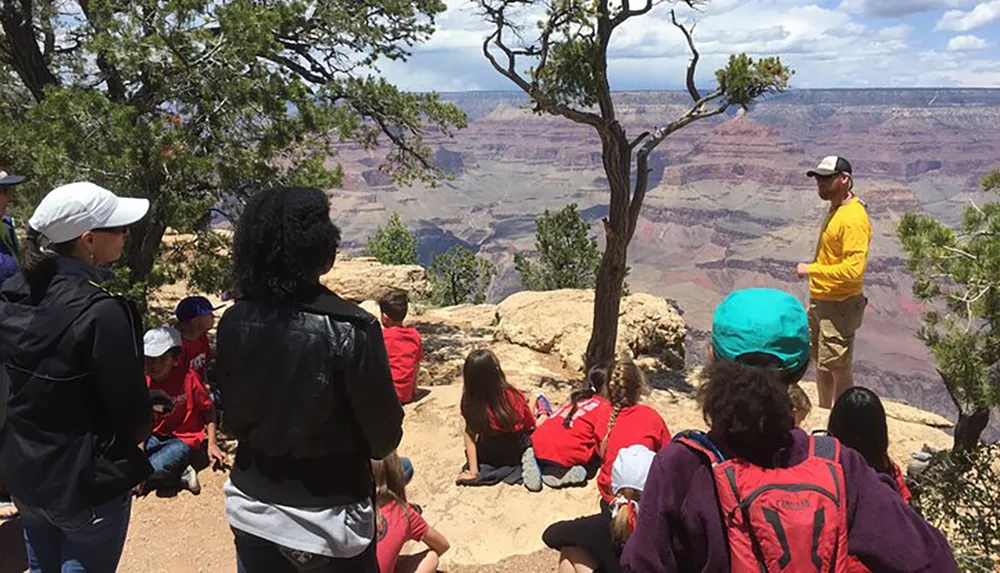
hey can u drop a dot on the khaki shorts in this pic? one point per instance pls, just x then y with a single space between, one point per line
832 325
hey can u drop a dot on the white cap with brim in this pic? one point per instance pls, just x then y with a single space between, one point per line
69 211
8 179
631 468
160 340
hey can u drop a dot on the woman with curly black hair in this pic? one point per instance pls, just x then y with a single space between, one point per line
308 392
755 493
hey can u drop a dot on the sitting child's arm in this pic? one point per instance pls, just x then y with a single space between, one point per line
436 541
216 456
470 456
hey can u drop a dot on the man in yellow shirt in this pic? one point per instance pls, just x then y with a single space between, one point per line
836 278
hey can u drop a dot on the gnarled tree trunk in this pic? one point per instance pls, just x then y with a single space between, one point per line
617 155
969 429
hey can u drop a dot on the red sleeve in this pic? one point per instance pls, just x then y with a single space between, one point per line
527 418
904 491
418 525
200 397
420 346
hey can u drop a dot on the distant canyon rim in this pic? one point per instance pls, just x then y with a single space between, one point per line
729 204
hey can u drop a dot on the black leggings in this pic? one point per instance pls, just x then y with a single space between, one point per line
592 533
258 555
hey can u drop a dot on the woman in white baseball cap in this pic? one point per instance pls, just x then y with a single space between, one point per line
79 404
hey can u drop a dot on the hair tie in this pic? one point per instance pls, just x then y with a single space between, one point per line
629 505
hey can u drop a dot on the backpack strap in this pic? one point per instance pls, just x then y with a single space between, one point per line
701 443
824 447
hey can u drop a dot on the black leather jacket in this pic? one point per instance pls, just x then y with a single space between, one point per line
308 392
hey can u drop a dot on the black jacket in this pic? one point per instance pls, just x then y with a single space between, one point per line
79 402
308 392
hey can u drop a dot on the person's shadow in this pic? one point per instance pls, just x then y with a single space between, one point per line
12 556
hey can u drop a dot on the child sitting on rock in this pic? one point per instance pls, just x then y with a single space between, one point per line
402 344
858 421
564 447
595 543
631 423
183 416
398 522
498 422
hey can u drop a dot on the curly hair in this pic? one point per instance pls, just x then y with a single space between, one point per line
283 241
746 404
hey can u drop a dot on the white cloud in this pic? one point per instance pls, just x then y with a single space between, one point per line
959 21
827 47
966 43
896 8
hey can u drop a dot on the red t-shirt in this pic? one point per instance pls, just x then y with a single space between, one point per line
195 355
901 486
190 399
577 444
401 525
524 420
405 352
635 425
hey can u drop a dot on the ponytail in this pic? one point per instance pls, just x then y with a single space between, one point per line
624 512
597 380
38 265
625 387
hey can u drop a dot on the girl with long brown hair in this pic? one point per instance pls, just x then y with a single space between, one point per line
398 522
497 418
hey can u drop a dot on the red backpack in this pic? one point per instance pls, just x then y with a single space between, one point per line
781 519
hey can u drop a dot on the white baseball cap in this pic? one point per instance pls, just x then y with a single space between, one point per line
160 340
631 468
69 211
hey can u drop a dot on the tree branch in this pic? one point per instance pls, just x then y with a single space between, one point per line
695 56
23 52
542 101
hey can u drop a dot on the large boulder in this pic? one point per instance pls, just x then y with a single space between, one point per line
559 322
364 278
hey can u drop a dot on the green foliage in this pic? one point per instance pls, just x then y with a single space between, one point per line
744 79
957 272
393 244
570 74
458 276
959 493
567 256
194 104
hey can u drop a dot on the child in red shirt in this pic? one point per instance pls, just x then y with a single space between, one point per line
195 318
564 448
183 415
498 420
399 522
631 423
402 344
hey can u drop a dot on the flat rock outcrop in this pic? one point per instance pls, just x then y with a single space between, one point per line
363 278
559 322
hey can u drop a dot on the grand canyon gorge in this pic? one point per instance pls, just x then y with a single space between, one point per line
729 204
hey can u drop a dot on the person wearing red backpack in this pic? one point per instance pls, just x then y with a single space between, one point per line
755 494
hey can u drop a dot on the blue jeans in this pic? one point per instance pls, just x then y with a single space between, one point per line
89 541
169 457
407 469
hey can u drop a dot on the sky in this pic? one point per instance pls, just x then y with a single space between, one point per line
829 44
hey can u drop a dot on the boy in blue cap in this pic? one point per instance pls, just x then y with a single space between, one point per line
792 501
195 318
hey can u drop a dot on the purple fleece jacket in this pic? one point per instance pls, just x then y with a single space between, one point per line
680 523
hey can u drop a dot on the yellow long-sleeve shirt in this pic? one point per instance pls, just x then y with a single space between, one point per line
841 253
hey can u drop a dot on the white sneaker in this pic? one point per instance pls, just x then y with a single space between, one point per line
189 479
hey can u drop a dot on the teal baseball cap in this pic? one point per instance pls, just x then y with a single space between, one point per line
762 320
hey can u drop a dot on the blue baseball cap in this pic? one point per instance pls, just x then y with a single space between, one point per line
766 321
192 307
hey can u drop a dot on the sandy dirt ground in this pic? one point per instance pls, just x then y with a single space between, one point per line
492 530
